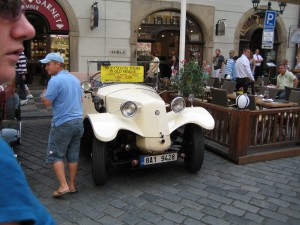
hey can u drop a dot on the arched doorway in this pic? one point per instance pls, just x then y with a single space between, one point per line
250 36
160 32
53 33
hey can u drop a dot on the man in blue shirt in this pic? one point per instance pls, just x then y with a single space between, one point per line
229 65
18 205
65 95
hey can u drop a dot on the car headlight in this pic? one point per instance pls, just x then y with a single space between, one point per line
86 86
178 105
128 109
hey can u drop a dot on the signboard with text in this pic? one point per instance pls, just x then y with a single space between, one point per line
268 32
52 11
122 74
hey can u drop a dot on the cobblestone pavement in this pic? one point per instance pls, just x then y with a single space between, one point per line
221 193
35 107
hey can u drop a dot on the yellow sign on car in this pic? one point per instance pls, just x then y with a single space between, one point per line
122 73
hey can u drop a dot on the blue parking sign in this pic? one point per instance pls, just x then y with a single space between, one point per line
270 20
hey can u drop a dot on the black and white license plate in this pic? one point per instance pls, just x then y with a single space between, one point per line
155 159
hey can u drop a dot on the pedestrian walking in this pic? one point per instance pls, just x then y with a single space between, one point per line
218 61
229 66
18 204
154 71
64 95
21 71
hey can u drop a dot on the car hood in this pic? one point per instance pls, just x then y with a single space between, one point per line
116 94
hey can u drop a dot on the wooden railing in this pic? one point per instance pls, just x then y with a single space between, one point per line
246 136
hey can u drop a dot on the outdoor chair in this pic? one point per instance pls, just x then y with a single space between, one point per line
294 96
261 79
217 83
288 91
229 86
213 82
252 103
274 81
272 92
261 90
210 82
219 97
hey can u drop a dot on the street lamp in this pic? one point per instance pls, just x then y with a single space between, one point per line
262 12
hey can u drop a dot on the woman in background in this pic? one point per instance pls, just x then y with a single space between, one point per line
175 66
206 69
154 72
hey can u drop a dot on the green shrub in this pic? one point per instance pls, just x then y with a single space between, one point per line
190 79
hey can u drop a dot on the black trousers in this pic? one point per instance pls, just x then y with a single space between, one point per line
21 86
241 83
257 72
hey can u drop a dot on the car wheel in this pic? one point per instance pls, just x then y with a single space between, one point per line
99 165
193 148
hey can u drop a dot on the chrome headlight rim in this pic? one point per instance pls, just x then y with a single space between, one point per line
86 86
178 101
128 105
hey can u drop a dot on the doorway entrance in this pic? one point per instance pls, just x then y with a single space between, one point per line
160 33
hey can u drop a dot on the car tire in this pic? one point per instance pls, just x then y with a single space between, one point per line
193 148
99 165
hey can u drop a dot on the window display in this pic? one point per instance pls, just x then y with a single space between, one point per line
60 44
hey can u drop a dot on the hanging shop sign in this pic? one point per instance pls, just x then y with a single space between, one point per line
52 11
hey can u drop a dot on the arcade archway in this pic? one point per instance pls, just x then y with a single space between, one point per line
160 32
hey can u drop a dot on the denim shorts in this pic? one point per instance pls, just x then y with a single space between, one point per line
64 141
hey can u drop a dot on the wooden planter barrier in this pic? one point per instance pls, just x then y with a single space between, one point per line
246 136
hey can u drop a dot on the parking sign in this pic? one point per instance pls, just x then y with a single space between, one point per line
269 26
270 20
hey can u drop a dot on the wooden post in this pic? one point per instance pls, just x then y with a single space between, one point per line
239 139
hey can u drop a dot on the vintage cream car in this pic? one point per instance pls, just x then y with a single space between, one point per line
128 123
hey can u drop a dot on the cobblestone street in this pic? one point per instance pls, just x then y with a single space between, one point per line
222 193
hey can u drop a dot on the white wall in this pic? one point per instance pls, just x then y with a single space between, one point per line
115 18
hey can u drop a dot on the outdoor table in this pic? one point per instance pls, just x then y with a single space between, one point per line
267 104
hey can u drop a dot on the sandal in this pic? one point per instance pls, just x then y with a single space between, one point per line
74 190
58 193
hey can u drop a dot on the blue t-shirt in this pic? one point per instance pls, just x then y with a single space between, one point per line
64 91
17 202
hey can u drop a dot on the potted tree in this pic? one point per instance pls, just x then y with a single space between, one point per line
189 80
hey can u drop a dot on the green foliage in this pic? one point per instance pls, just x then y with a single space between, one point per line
190 79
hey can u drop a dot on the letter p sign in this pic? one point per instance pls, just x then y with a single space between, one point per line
270 20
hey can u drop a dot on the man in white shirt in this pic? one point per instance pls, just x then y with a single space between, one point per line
258 61
243 71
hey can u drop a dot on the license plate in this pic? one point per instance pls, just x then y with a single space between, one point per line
154 159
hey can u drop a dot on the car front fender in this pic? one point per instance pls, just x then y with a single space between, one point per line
106 126
196 115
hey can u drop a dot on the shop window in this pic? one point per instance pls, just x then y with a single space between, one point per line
60 44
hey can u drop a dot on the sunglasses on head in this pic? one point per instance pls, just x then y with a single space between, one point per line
11 9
